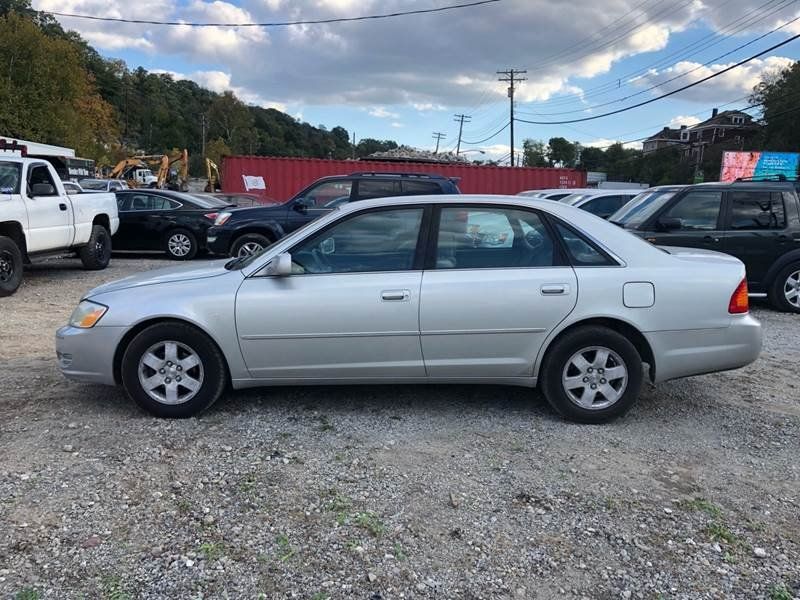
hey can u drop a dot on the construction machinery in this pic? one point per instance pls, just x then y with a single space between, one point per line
214 183
138 170
135 171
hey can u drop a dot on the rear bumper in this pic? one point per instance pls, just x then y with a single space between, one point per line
87 355
695 352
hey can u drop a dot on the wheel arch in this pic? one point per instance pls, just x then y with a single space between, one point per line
621 326
103 221
14 231
783 261
270 229
126 339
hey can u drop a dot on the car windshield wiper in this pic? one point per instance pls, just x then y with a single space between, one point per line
235 263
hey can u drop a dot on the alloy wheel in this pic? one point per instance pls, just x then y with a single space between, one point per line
171 372
791 289
179 244
594 378
250 248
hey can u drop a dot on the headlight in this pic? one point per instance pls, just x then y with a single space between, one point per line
222 218
87 314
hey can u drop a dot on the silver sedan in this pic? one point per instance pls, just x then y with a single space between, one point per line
477 289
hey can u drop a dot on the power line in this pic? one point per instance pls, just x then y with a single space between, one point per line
667 94
511 77
499 131
406 13
461 119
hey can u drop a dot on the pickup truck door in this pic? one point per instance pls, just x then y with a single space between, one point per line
50 219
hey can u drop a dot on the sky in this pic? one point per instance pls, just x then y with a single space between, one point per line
407 77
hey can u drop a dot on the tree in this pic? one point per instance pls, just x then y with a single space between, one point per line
231 121
561 152
778 93
592 159
534 153
369 146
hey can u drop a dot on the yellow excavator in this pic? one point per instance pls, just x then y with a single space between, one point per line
135 171
214 183
138 170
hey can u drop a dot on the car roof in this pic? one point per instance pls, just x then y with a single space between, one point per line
745 185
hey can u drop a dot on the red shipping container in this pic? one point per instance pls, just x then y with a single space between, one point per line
284 177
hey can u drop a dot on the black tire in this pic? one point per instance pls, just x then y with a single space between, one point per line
249 240
10 266
778 290
212 373
556 365
180 244
96 254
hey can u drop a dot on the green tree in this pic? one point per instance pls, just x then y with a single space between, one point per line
778 93
369 146
592 159
534 153
561 152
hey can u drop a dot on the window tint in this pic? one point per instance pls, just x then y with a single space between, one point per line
605 205
369 188
124 202
329 193
420 188
9 178
40 174
374 241
757 210
582 252
485 238
697 210
148 202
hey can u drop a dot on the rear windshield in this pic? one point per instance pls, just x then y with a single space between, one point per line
94 184
207 201
641 208
9 177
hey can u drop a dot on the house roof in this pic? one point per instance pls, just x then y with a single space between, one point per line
724 118
665 134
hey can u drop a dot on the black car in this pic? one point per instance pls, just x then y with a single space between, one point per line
758 222
173 222
243 231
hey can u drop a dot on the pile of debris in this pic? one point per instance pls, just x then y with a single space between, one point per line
409 154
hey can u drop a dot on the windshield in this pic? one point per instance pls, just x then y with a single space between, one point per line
9 177
641 208
94 184
574 199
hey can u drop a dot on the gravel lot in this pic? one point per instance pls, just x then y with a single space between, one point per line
391 492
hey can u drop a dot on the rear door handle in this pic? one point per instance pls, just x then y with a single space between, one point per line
395 295
62 206
554 289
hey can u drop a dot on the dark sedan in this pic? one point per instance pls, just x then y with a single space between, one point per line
173 222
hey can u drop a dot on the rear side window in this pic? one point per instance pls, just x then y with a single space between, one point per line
9 177
757 210
605 206
368 188
420 188
582 252
148 202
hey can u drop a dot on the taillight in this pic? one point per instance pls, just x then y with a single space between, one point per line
211 216
739 303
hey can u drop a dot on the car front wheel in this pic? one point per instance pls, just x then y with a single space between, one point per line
173 370
249 244
592 374
785 292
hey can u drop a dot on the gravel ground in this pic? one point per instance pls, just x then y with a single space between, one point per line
391 492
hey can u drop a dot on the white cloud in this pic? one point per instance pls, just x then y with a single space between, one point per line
427 106
396 125
382 113
676 122
605 143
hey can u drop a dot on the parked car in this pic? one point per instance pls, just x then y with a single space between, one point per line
409 290
244 231
104 185
173 222
38 218
647 200
602 203
245 199
757 222
72 188
553 194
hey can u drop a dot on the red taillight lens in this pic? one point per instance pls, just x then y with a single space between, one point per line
211 216
739 303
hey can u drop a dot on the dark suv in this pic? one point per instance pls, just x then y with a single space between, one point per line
240 232
758 222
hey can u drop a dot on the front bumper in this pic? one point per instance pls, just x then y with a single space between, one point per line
698 351
87 355
218 240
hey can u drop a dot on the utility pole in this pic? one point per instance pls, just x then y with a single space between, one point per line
354 145
438 136
461 119
511 76
203 144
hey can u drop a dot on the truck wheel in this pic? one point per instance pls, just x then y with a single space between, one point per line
249 244
10 266
785 292
96 254
180 244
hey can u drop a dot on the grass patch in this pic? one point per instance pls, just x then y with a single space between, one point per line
399 553
701 504
780 592
370 522
320 596
325 424
720 533
285 550
212 551
184 506
27 593
114 589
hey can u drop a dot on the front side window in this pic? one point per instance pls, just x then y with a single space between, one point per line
697 211
757 210
40 175
486 238
383 240
368 188
329 194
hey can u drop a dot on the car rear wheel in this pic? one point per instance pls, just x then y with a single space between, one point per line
592 374
96 254
249 244
180 244
173 370
10 266
785 292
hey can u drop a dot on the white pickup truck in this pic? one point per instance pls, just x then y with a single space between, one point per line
38 218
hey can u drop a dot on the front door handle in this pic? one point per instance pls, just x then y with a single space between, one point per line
395 295
62 206
711 239
554 289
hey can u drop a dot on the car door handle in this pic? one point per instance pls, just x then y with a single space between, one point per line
709 238
554 289
62 206
395 295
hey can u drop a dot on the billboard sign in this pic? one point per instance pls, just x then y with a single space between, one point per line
758 164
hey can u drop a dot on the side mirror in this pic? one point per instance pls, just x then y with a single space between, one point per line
301 205
280 265
669 223
42 189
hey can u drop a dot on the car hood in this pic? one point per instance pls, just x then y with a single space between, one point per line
214 268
